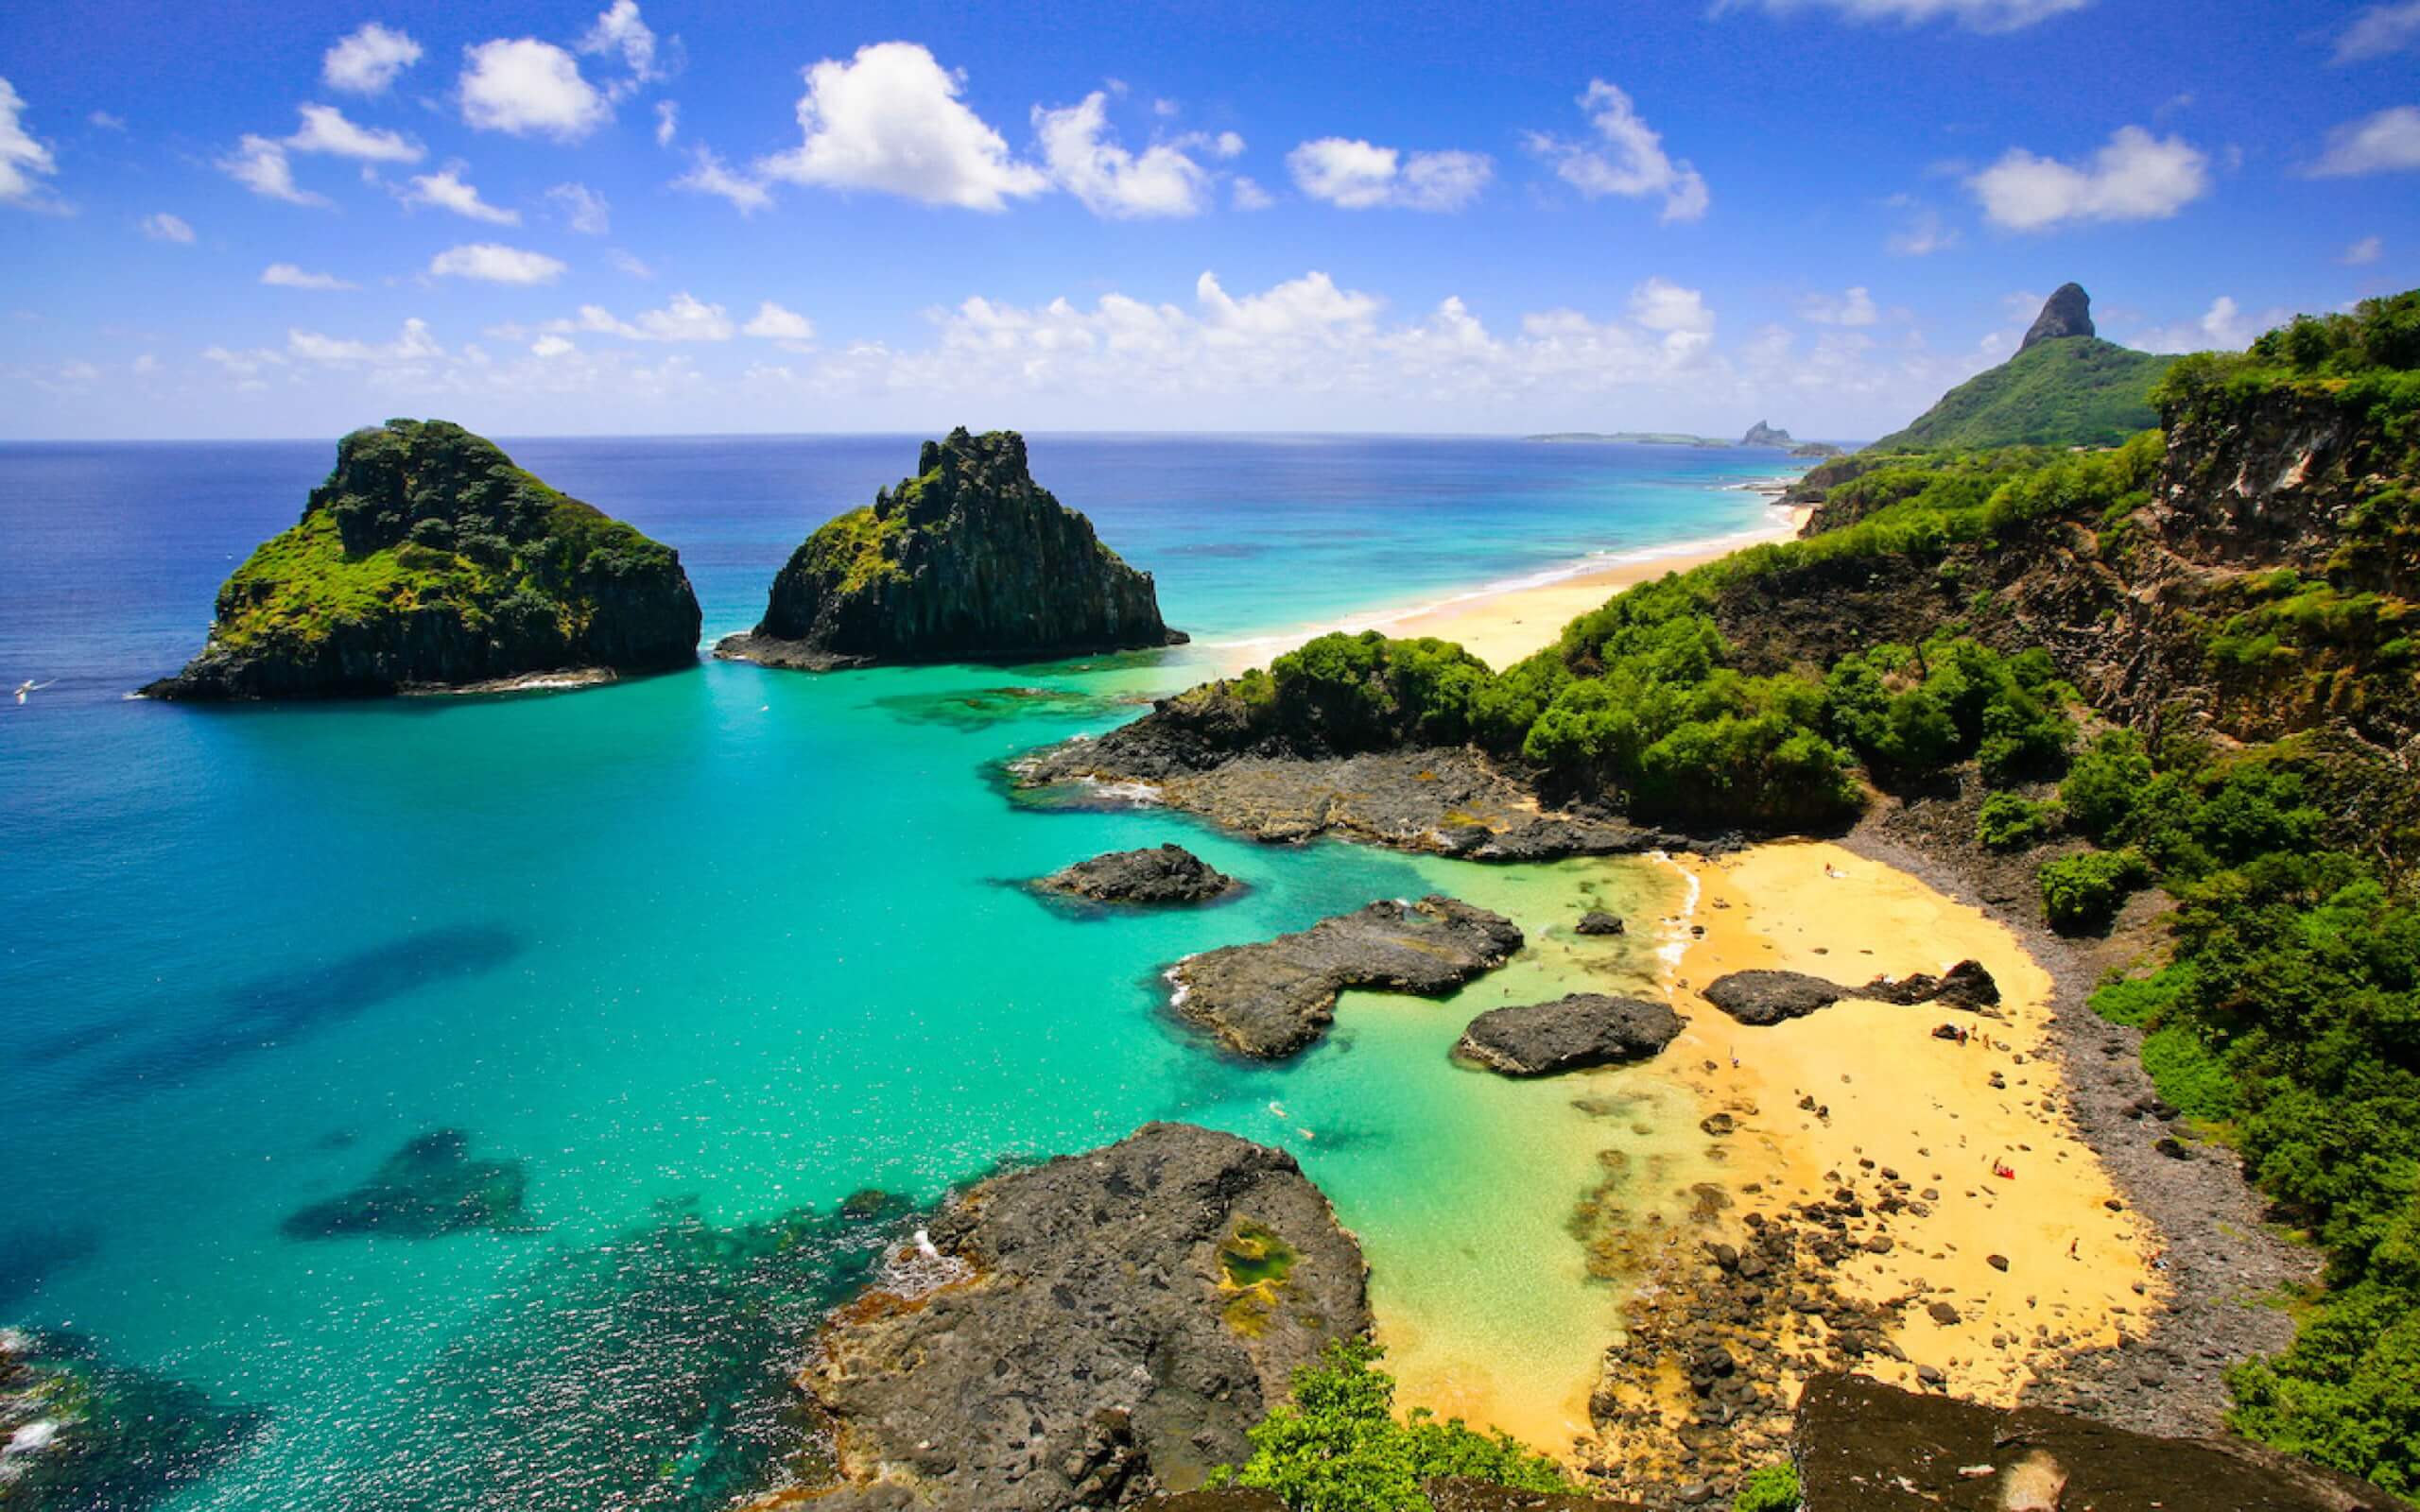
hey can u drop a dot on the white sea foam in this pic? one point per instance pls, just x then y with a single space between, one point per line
1676 935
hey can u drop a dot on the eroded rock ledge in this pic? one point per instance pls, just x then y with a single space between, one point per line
1762 998
1572 1032
1120 1317
1271 999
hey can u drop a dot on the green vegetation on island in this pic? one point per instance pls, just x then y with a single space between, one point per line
428 559
2066 386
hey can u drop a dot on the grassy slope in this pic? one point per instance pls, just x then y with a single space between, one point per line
2071 392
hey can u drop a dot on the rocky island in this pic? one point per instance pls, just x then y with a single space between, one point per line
427 561
1156 874
970 559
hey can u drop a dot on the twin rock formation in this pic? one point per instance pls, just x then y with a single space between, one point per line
427 561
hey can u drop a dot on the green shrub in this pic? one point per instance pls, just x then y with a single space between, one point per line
1335 1445
2009 822
2084 892
2106 784
1769 1489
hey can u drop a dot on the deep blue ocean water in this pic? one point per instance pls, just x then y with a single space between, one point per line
706 952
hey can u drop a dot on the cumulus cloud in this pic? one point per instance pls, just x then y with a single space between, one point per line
1111 181
166 228
529 88
2223 327
367 62
1975 15
685 319
709 174
413 344
1627 158
1356 175
2363 252
492 263
2388 142
2135 176
1852 307
324 130
774 323
583 209
261 166
890 120
287 276
2380 32
24 160
1921 232
1246 194
668 122
628 264
446 191
618 29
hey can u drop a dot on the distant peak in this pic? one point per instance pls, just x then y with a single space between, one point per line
2066 313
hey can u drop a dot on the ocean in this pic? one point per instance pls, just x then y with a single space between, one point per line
702 955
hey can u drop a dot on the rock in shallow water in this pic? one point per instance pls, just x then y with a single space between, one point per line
1271 999
429 1187
1569 1033
1158 874
1125 1315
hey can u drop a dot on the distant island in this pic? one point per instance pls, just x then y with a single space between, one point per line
1759 433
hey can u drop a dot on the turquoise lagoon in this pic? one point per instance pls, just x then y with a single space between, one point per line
709 952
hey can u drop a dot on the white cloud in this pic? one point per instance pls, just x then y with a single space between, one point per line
626 262
2388 142
324 130
2379 32
245 365
1246 194
2363 252
618 29
774 323
368 60
1628 158
24 160
668 122
446 191
260 164
1852 307
2223 327
106 121
493 264
166 228
526 86
1228 144
711 176
146 364
890 120
1110 180
685 319
413 344
1975 15
1922 235
1356 175
2135 176
551 347
584 208
287 276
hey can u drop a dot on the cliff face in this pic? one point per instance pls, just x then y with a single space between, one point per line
970 558
428 561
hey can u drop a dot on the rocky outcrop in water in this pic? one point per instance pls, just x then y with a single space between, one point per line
1272 998
1572 1032
428 1188
970 559
1761 434
1156 874
2066 313
1098 1329
1865 1447
1763 998
79 1432
428 561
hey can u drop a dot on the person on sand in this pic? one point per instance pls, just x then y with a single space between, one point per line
2071 1249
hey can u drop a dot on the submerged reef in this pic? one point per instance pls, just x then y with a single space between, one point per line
80 1434
429 1187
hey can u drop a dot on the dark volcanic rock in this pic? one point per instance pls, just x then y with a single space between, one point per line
1162 874
1272 998
1233 1499
1597 921
970 559
1459 1493
428 561
429 1187
1865 1447
1569 1033
1124 1315
2066 313
1765 997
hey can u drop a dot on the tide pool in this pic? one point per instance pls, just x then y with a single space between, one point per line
708 954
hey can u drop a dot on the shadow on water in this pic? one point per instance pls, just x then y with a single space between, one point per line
31 1254
654 1371
269 1011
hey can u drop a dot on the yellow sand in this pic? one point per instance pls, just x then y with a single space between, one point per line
1504 628
1921 1106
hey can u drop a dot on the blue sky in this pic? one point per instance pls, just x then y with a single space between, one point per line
246 219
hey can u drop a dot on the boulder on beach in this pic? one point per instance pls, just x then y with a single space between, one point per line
1156 874
1271 999
1100 1328
1572 1032
1764 997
